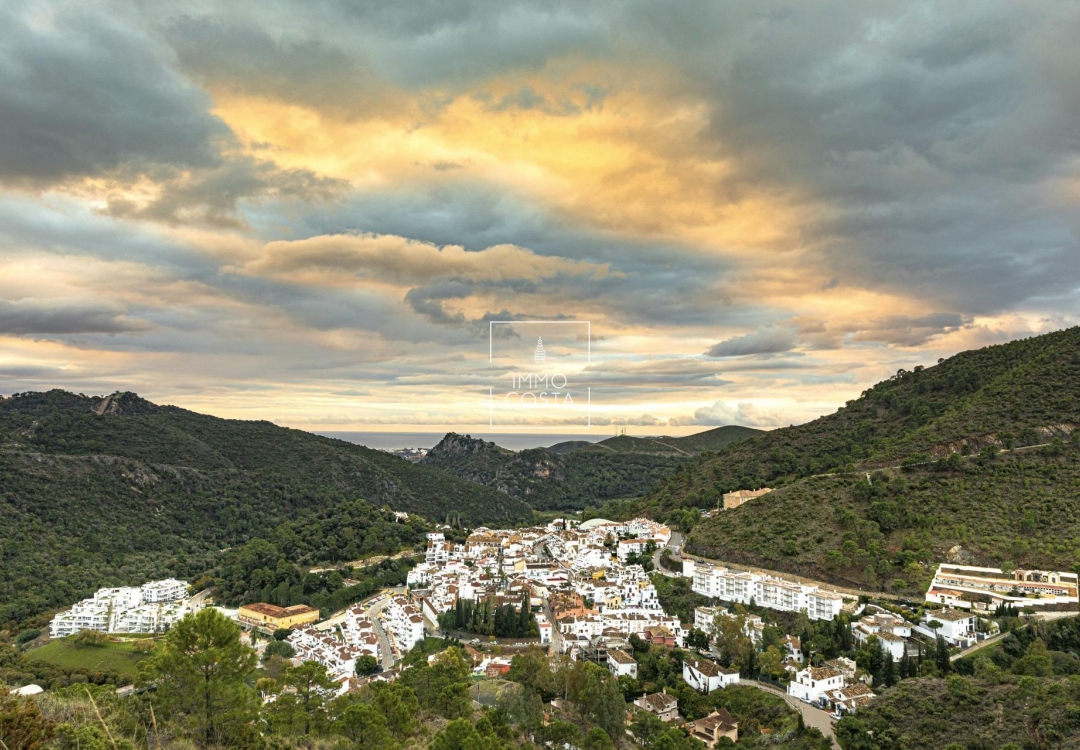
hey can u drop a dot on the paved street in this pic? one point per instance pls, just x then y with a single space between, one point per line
373 611
812 716
674 544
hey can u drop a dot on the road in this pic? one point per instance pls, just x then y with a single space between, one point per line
674 544
373 612
812 716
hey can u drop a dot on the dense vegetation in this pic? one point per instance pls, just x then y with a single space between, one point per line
571 475
1014 509
1022 693
978 452
260 572
487 618
1014 394
138 491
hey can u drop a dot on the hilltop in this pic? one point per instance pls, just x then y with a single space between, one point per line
1021 393
939 461
571 475
101 490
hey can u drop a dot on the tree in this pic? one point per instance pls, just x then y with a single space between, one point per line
697 639
771 662
941 656
200 677
366 665
21 723
853 734
460 734
597 739
607 708
300 707
365 725
398 704
278 648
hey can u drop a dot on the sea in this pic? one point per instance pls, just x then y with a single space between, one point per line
388 441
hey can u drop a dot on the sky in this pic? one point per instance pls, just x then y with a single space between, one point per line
312 213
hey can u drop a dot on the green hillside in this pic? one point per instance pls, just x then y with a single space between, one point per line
118 490
576 473
1018 393
682 447
930 440
551 481
1018 507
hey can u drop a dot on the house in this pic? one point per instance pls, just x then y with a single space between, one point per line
955 584
621 663
956 626
664 706
792 648
272 617
892 633
706 676
812 683
849 699
659 635
496 669
713 727
629 547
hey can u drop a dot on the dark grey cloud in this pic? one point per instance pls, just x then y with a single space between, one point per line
88 97
766 340
37 317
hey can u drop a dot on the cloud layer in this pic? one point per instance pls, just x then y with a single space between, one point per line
310 212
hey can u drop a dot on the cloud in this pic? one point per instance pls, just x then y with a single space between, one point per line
904 330
765 340
36 317
399 260
722 413
87 98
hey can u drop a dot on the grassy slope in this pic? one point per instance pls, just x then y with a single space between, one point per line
108 657
90 500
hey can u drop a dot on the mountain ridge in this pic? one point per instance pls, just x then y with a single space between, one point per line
142 490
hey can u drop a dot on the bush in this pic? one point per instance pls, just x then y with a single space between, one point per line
27 635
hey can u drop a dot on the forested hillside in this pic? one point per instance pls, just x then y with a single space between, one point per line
574 474
1020 393
1016 508
118 490
1022 693
551 481
978 452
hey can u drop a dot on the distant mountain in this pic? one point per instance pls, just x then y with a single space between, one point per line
104 490
689 445
906 475
574 474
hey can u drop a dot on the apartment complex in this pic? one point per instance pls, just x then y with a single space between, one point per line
767 591
150 608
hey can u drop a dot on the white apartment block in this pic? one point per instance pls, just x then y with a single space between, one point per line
767 591
404 622
150 608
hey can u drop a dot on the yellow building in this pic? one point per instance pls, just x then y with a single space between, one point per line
273 617
734 499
